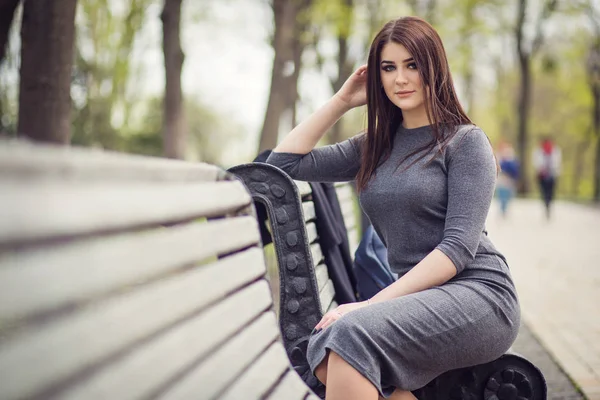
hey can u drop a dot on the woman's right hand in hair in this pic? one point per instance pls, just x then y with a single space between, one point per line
354 91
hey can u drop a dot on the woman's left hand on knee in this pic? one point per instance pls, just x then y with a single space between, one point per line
337 313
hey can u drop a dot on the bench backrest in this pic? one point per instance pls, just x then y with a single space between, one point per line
131 277
307 291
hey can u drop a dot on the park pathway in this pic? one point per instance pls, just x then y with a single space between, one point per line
556 266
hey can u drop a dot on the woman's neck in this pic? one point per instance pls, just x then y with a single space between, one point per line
415 119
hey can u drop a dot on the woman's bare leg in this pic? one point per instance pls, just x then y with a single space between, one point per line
321 374
346 383
321 370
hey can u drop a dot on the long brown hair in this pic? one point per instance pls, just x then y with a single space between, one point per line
441 102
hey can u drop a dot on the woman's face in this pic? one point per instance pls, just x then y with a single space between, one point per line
401 80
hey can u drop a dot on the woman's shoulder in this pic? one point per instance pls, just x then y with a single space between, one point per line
463 132
469 137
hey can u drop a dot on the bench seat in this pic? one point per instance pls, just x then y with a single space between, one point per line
129 277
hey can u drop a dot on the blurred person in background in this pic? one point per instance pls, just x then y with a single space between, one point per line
547 159
507 177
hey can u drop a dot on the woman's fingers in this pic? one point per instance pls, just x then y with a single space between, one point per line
361 70
328 319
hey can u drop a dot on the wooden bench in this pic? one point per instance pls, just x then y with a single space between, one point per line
126 277
307 292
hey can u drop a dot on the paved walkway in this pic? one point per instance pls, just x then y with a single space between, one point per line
556 266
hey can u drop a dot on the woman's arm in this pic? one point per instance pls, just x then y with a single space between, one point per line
339 162
304 137
434 270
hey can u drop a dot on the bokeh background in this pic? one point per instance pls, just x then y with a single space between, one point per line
220 80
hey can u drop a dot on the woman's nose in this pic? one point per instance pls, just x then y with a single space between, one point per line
400 78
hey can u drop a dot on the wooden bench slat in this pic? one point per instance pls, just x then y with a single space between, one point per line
26 160
311 231
148 368
291 387
30 211
322 275
308 209
326 295
316 253
350 221
345 193
261 376
332 306
83 269
347 210
221 369
304 188
353 239
58 349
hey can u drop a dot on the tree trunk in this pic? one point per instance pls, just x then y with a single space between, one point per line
596 118
288 46
523 101
47 41
345 67
467 40
578 167
284 16
430 12
7 12
523 116
173 118
597 172
335 135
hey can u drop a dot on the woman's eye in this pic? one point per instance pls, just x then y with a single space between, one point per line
412 66
387 68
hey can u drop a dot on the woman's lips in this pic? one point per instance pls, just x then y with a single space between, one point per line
405 93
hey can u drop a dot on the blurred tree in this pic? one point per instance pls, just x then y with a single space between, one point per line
289 42
210 135
426 9
174 122
7 11
102 73
335 17
560 104
526 50
9 80
472 31
47 39
593 69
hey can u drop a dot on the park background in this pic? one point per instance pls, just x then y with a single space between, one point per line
220 80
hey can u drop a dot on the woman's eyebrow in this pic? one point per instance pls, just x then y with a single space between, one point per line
403 61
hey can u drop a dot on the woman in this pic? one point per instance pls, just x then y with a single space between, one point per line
426 179
546 161
508 176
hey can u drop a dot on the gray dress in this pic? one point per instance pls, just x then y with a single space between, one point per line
440 202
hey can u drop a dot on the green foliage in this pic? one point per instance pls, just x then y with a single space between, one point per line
334 15
102 93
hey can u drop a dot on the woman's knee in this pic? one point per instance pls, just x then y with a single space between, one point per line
321 370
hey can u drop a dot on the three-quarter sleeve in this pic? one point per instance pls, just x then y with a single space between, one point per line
471 169
334 163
